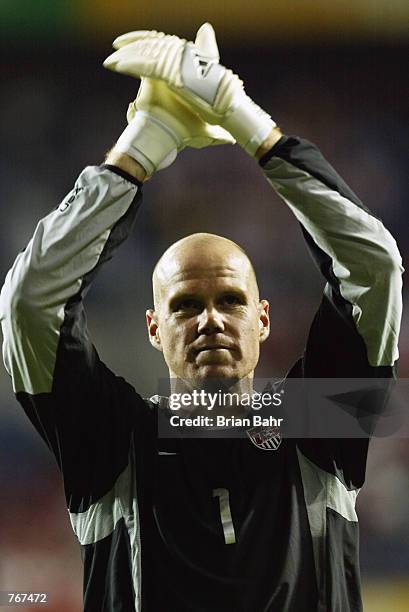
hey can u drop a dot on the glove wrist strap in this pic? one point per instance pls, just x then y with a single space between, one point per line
149 142
249 124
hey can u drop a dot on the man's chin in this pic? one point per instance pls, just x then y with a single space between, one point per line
214 371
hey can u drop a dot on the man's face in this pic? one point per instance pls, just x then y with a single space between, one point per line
208 320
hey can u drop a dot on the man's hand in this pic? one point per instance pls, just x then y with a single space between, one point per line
161 124
192 71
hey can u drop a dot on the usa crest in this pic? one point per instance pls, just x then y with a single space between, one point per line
266 438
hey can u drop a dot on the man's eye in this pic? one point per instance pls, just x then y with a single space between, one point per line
188 304
231 300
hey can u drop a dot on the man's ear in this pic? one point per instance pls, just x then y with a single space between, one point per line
153 329
264 320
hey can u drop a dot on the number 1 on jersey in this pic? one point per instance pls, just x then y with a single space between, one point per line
225 515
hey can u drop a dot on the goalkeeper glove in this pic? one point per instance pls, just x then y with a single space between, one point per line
192 70
161 124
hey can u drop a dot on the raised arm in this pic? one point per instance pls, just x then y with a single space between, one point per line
355 332
86 414
55 269
66 391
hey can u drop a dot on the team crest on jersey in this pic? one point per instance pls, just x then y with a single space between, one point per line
266 438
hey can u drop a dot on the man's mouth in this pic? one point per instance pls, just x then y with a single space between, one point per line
213 347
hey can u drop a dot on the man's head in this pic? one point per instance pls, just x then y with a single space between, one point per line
208 319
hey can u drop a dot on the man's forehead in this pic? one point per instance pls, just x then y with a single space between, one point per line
176 269
208 282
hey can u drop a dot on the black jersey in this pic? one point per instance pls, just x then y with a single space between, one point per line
202 525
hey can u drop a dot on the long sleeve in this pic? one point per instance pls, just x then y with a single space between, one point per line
354 251
85 414
355 331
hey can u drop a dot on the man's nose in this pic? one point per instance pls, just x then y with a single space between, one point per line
210 321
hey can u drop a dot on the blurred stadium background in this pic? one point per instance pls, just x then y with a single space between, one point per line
333 71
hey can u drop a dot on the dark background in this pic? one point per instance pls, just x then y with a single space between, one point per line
334 74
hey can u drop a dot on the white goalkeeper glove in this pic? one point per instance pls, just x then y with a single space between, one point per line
161 124
192 70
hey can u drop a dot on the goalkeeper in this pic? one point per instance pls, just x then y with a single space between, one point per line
229 525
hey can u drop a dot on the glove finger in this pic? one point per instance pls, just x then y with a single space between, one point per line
210 135
132 64
140 50
130 114
206 41
129 37
114 58
219 135
155 56
137 48
141 94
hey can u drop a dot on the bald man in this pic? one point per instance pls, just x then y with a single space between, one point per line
208 319
246 524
